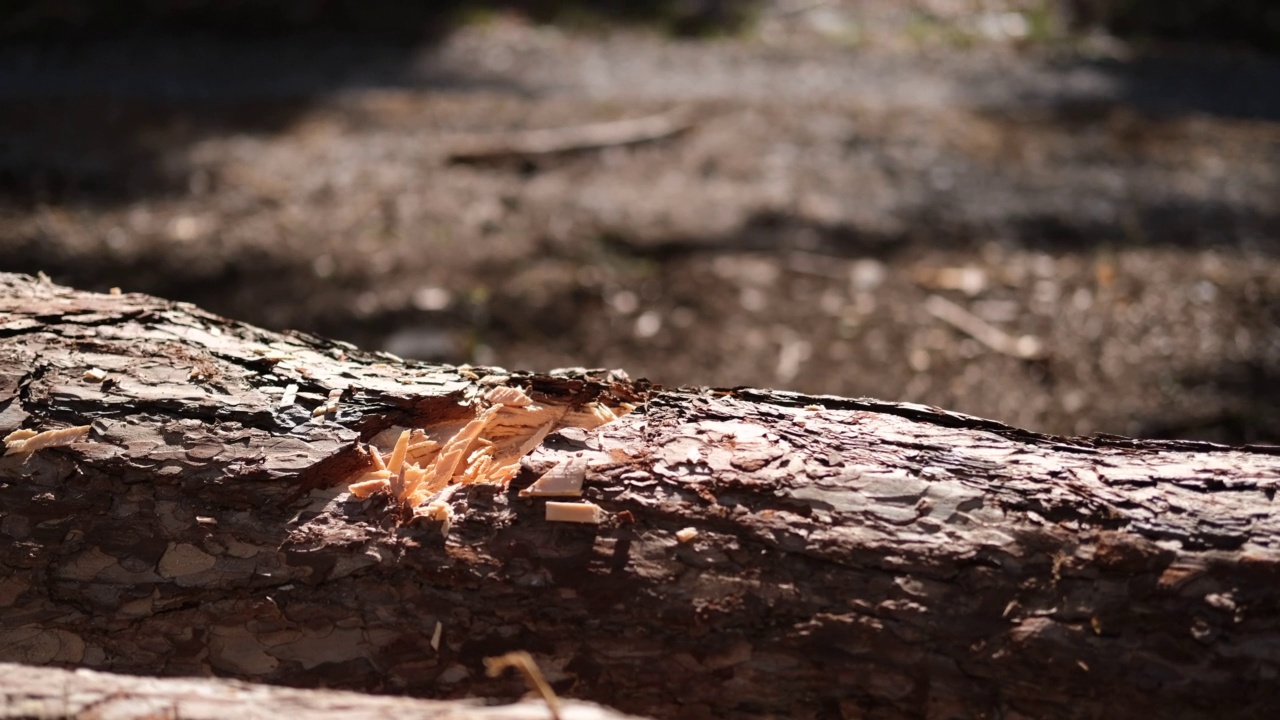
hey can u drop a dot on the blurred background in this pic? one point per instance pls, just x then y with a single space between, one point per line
1061 214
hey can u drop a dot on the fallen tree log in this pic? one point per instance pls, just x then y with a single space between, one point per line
36 692
757 552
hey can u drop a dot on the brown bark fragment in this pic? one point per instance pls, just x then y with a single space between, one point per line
850 556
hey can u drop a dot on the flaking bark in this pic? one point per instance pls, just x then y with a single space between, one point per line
845 558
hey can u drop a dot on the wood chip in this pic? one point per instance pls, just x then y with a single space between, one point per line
584 512
686 535
514 397
376 456
331 407
422 453
398 452
22 443
95 375
365 488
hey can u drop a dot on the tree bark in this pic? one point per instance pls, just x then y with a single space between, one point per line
762 553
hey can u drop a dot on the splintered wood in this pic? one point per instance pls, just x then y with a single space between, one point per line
25 442
488 449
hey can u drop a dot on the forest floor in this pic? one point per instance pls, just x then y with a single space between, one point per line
849 202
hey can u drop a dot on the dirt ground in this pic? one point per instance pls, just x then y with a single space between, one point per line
1071 238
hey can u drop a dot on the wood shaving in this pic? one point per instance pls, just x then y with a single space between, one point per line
451 455
508 396
507 426
584 512
364 488
686 535
331 407
397 454
591 416
25 442
377 458
95 375
19 435
422 453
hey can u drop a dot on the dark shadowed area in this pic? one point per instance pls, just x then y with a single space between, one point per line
1002 208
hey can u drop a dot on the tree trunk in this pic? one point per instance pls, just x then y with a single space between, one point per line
760 553
35 692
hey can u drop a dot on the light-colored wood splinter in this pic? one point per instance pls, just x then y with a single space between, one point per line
507 426
435 635
583 512
523 662
25 442
364 488
686 535
503 395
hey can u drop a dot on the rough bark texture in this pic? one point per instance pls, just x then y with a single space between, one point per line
851 557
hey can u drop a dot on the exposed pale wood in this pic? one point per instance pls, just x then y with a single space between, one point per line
849 557
34 692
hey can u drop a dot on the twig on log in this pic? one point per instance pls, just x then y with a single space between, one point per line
1025 347
595 136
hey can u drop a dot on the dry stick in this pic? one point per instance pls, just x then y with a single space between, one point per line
1025 347
595 136
523 661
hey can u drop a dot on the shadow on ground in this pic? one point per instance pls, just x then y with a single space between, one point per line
99 100
1133 231
1181 82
